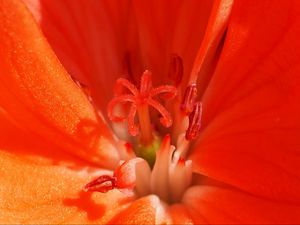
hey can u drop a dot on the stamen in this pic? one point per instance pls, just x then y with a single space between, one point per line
132 128
176 69
180 178
189 99
102 184
160 172
182 145
194 122
133 173
168 91
140 100
166 118
146 83
114 102
125 150
125 83
128 147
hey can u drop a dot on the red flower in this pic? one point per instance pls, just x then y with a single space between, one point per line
53 142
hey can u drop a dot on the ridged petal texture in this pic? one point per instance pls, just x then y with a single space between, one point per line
53 142
251 124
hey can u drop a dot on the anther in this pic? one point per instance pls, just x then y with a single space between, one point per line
102 184
176 69
194 122
189 99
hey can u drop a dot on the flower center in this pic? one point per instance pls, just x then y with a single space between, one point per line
152 164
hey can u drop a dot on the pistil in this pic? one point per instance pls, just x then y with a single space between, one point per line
140 101
152 164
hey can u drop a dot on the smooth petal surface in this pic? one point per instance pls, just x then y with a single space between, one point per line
211 46
145 210
180 214
99 41
214 205
251 123
36 192
167 27
39 96
89 37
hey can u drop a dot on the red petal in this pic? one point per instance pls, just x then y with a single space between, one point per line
180 215
166 27
251 108
214 205
38 95
211 45
89 37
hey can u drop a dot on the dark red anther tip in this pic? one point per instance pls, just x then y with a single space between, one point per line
176 69
194 122
189 99
102 184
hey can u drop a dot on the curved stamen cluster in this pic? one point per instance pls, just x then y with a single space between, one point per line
169 178
170 174
140 100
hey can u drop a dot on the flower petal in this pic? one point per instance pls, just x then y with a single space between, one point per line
211 46
226 206
164 28
89 38
251 107
36 92
38 192
146 210
180 214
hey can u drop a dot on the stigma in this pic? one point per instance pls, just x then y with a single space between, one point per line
140 100
151 163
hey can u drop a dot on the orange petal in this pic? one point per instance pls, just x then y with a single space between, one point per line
36 92
145 210
89 38
37 192
228 206
251 123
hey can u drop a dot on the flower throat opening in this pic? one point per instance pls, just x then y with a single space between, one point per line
153 164
140 101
